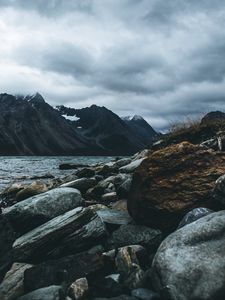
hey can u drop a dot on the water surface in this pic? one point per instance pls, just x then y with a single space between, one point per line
22 168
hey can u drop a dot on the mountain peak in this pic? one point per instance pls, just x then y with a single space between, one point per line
37 98
132 118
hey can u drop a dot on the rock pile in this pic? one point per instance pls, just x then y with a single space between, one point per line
76 240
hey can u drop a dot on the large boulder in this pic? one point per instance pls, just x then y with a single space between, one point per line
190 264
171 182
39 209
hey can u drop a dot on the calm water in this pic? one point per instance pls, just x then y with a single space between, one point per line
21 168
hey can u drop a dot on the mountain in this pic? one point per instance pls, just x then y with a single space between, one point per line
143 130
104 127
30 126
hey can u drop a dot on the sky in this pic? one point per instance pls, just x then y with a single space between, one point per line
162 59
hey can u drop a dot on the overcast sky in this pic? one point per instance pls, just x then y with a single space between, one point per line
162 59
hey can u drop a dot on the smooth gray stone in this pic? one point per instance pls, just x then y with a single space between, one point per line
194 215
41 208
190 264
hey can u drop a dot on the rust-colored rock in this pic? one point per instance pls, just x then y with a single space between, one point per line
172 181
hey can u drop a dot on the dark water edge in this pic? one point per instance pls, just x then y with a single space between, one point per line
23 168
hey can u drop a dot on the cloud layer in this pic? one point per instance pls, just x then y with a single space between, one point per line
161 59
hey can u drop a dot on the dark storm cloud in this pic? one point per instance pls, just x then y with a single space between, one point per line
162 59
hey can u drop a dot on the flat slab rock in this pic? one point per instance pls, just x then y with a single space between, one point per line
73 229
172 181
190 264
114 217
41 208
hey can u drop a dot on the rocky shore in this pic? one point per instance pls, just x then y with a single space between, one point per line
151 226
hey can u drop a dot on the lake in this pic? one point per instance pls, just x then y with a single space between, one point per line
22 168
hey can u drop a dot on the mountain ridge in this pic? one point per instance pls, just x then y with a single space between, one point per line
30 126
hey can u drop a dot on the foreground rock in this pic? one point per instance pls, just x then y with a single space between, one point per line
73 231
53 292
194 215
190 263
33 189
7 237
171 182
82 184
12 286
136 235
75 266
39 209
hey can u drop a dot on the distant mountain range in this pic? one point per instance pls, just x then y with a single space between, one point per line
30 126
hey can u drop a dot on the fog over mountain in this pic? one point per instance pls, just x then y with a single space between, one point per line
163 60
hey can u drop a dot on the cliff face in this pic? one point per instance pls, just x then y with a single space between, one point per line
30 126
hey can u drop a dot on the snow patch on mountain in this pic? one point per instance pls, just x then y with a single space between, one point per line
71 118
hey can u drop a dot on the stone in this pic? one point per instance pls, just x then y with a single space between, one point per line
137 235
107 287
145 294
171 182
8 195
121 297
128 265
90 234
142 154
114 218
76 266
194 215
124 189
68 166
7 238
105 170
53 292
34 188
219 190
109 197
85 172
73 231
120 205
82 184
39 209
79 289
131 167
121 162
12 286
189 263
